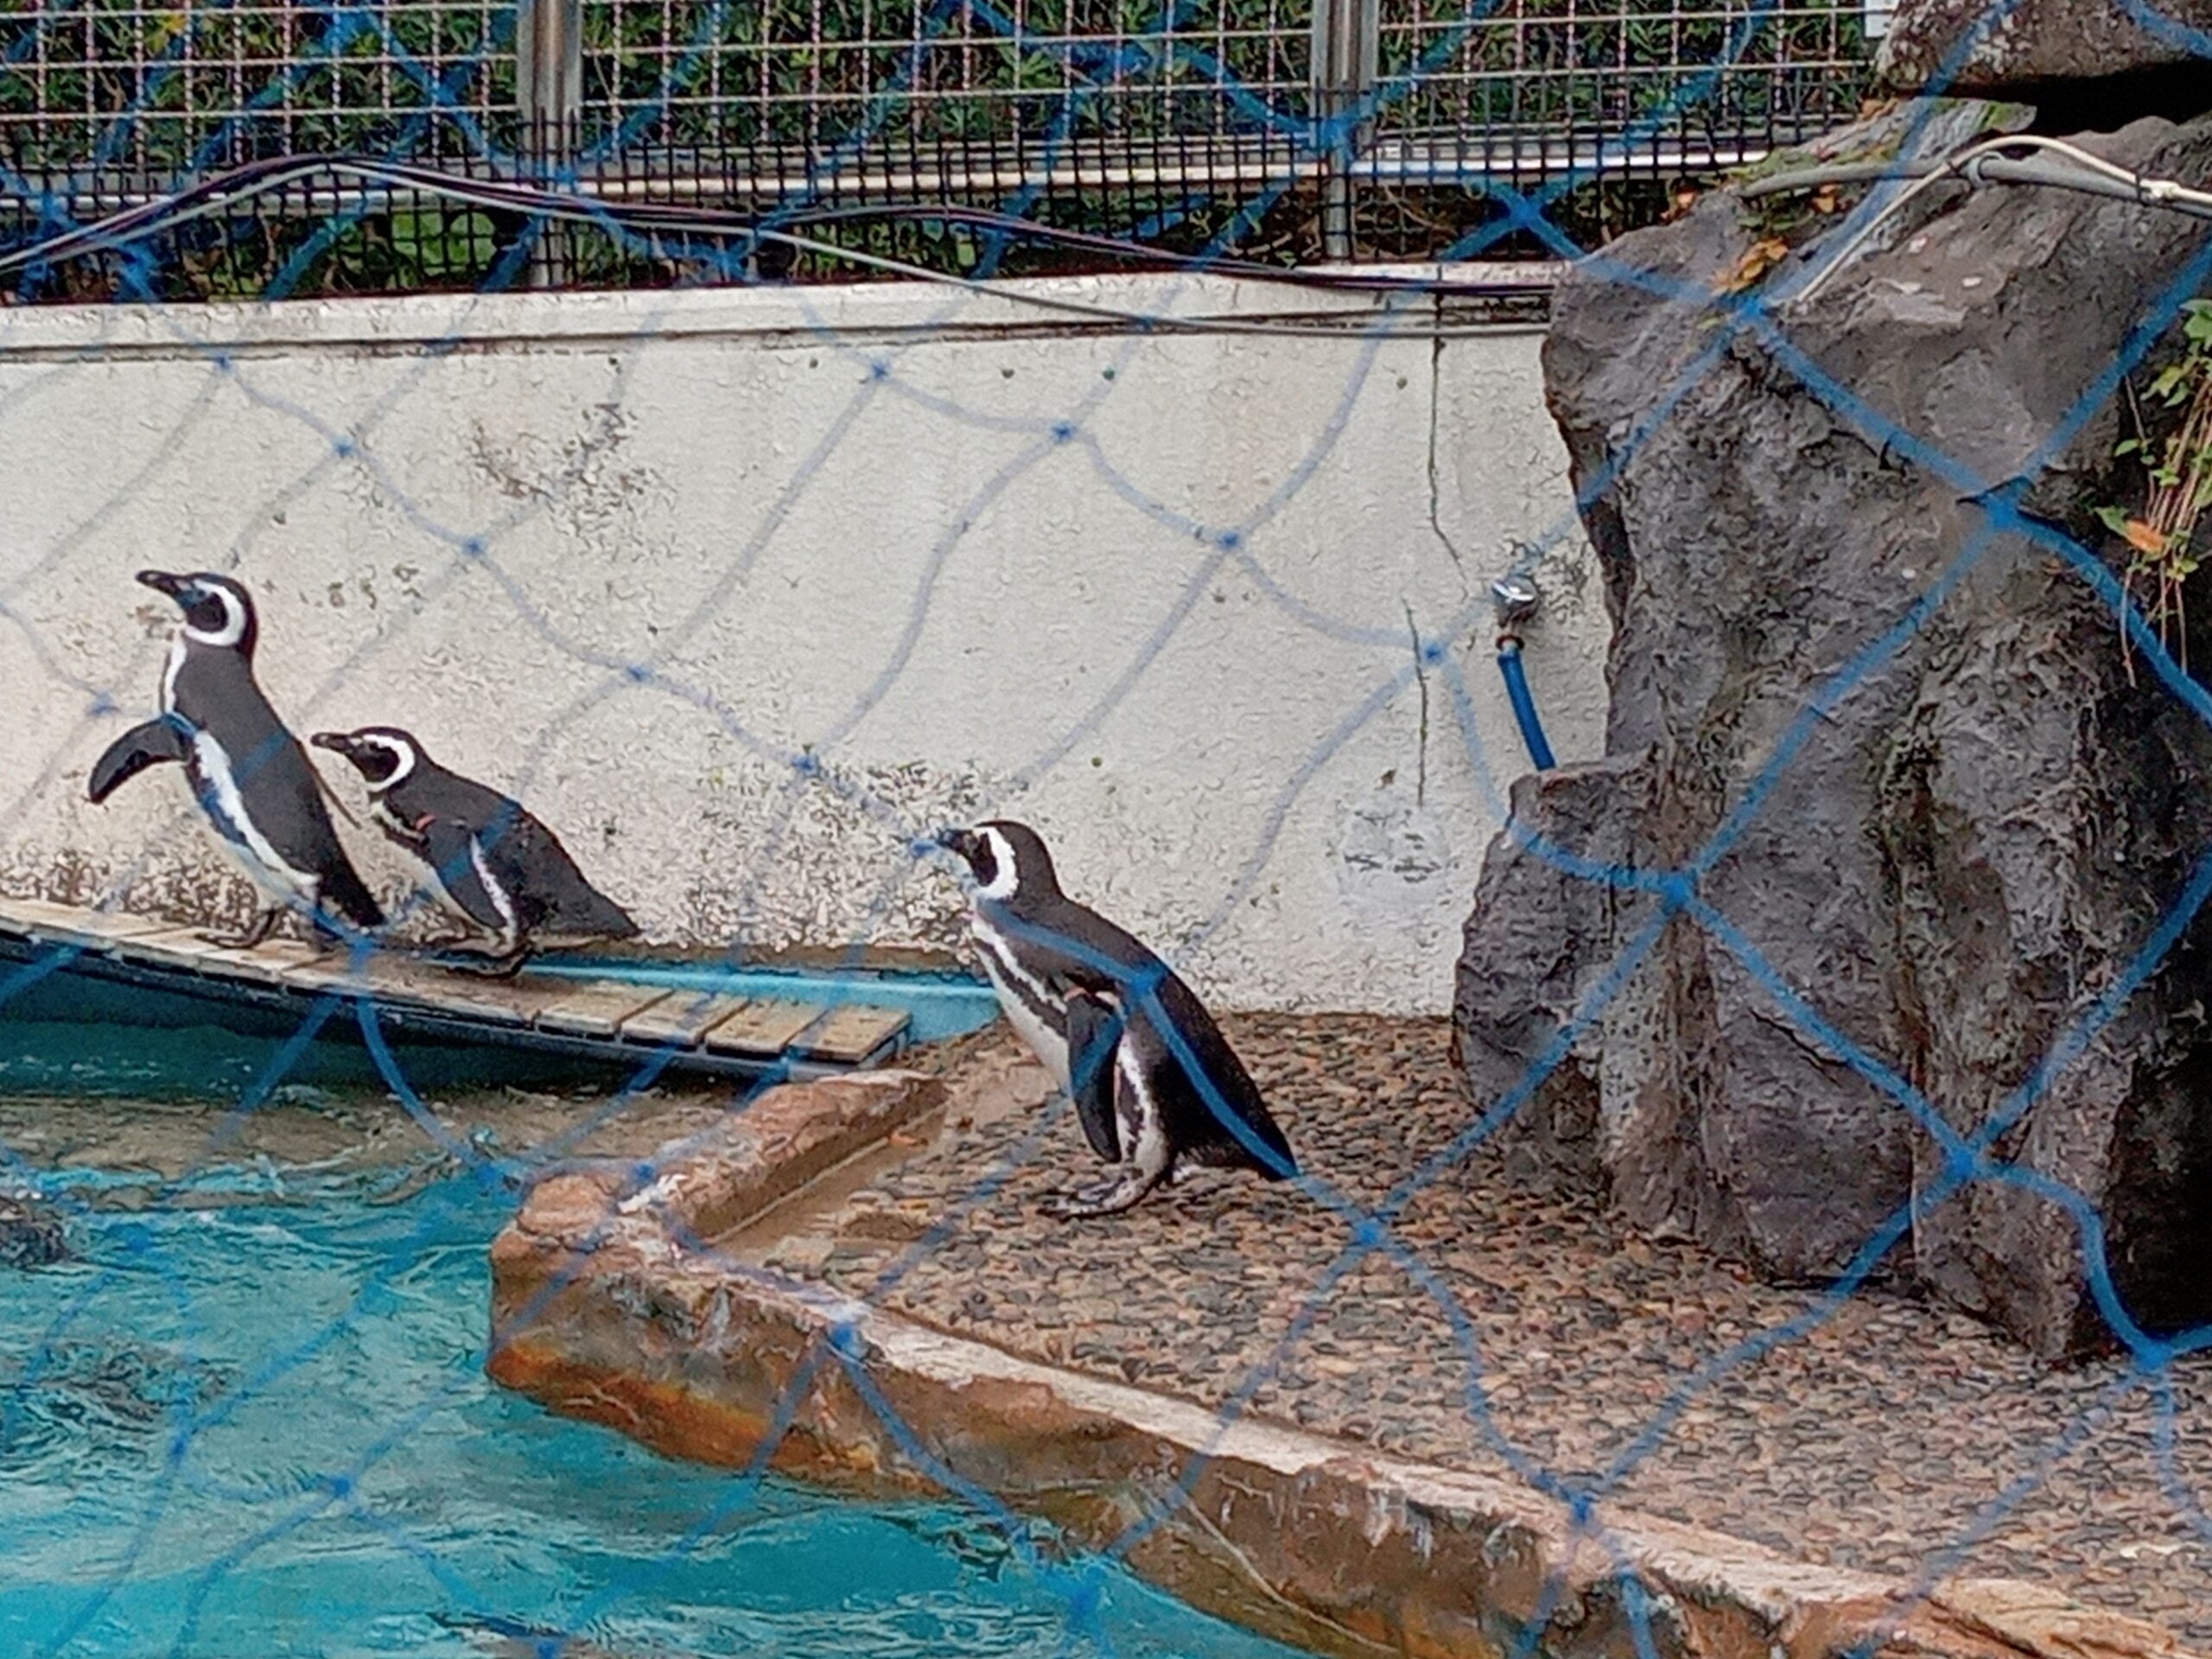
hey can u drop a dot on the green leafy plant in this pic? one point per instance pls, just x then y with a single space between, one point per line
443 247
2176 463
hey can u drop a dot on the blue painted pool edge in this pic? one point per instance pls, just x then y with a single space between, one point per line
942 1006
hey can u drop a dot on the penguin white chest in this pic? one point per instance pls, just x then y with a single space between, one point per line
1023 1001
510 923
225 804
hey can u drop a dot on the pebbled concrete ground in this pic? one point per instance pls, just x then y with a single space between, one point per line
1529 1333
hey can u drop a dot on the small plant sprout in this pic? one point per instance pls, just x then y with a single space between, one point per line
2178 478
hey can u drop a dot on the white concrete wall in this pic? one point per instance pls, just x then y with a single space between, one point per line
965 552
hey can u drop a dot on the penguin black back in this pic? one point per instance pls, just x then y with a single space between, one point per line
1198 1121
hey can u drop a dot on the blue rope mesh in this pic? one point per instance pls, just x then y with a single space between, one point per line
443 92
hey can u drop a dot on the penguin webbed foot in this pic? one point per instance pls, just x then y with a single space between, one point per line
506 966
1111 1199
473 953
263 925
489 959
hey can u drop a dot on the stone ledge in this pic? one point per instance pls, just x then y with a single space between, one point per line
737 1169
606 1307
544 323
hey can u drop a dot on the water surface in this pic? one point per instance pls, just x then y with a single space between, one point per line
247 1429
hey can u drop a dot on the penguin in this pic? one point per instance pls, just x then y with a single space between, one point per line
1114 1026
247 771
493 864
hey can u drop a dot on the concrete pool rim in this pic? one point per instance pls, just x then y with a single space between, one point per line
609 1304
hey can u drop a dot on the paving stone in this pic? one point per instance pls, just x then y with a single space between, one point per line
1886 1440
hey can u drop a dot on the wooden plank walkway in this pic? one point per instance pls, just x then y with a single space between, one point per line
609 1020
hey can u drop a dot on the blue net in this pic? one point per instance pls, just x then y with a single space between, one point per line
254 1413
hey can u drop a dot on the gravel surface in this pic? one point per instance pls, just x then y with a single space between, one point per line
1892 1436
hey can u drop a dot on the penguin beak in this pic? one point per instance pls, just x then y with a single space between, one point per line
163 582
961 843
336 742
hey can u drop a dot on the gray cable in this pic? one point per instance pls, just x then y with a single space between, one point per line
1983 163
1995 171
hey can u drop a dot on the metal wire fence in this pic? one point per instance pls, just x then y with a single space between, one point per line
1355 129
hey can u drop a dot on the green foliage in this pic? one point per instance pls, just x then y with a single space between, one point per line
191 87
443 246
2171 446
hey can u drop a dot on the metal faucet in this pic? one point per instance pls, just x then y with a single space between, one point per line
1516 599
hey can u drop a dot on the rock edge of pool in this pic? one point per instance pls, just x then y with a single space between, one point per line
679 1301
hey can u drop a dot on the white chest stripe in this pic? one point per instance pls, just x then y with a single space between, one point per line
173 667
215 767
390 820
1144 1137
1009 979
501 902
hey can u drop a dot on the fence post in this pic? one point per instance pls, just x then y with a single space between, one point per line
1347 44
549 96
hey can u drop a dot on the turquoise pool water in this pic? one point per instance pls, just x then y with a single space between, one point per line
253 1430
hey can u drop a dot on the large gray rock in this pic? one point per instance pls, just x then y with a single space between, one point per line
2031 48
1960 853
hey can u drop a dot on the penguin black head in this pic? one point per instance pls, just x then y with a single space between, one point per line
382 754
218 611
1008 860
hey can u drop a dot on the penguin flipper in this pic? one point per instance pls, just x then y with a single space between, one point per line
1094 1037
451 849
1204 1104
157 740
552 893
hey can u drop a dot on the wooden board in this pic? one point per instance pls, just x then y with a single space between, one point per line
387 976
66 925
551 1002
593 1007
763 1028
715 1031
850 1034
406 983
279 962
682 1017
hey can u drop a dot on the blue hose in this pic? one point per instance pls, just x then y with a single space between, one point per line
1524 706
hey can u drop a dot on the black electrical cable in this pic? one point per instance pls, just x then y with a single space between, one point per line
244 183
